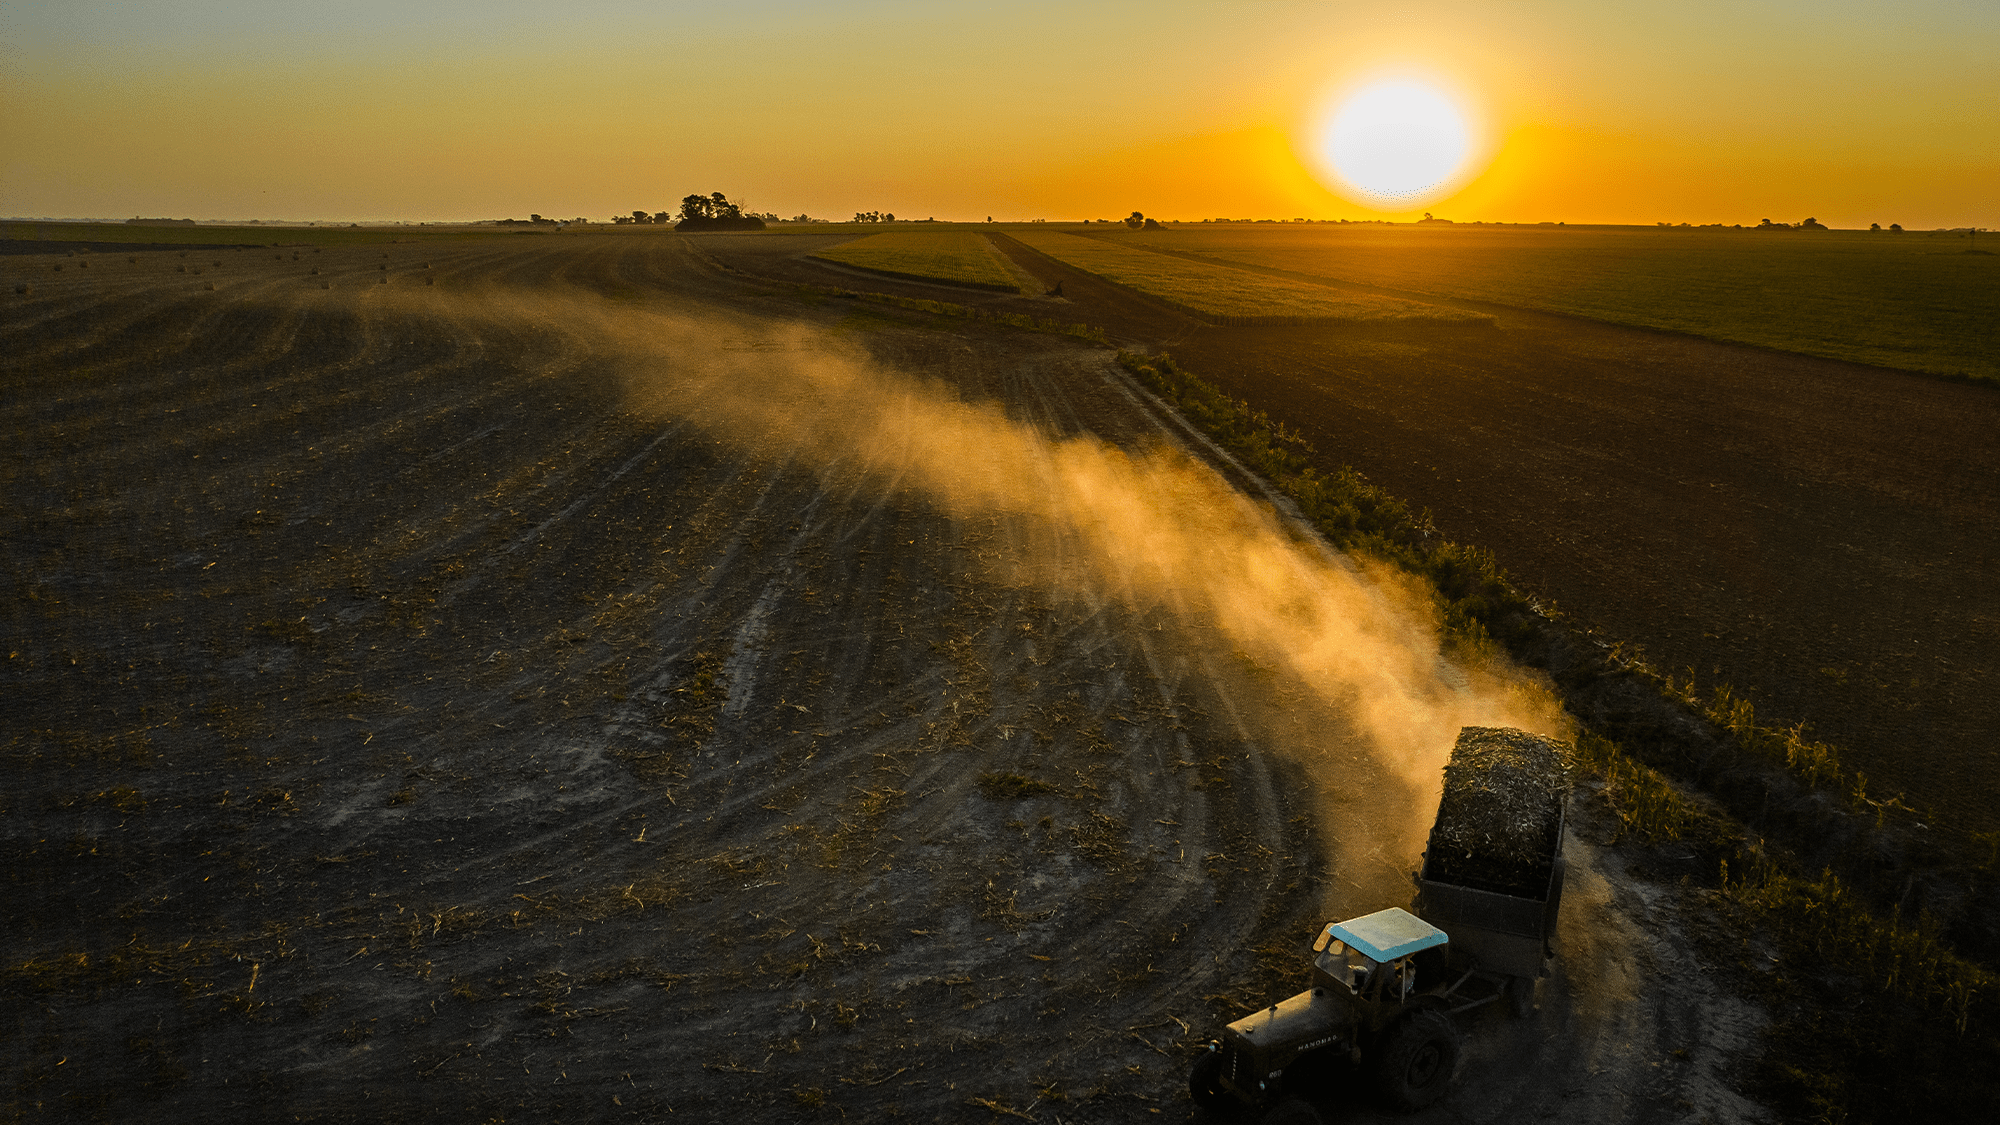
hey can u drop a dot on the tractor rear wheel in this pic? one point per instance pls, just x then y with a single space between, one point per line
1205 1082
1418 1055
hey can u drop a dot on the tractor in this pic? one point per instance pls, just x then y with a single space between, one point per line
1387 986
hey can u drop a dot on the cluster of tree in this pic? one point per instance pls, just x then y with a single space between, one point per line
874 216
1140 222
1806 224
537 220
714 211
713 206
1892 226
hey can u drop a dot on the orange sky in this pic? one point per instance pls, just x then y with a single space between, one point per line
1706 111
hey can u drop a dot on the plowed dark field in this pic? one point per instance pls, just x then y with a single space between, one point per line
558 680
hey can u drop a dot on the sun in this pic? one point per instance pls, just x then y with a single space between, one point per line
1396 141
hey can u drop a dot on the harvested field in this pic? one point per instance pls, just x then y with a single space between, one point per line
1222 294
955 257
1538 404
1910 300
63 236
527 695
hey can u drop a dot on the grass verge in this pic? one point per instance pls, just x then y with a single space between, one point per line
1872 1017
1477 601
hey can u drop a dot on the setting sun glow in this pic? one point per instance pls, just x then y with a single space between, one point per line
1397 142
1556 110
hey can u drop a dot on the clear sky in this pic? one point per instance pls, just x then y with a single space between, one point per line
1584 110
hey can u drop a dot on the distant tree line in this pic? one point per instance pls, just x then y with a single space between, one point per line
713 211
876 217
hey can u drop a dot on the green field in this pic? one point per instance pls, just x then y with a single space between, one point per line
1224 294
1908 300
960 257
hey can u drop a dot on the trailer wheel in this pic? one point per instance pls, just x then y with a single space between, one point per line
1205 1082
1417 1059
1521 997
1293 1111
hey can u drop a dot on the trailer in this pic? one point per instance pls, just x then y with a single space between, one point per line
1492 873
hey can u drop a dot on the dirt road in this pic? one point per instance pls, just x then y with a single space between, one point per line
494 681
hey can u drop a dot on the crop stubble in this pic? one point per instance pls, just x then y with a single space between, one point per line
403 723
399 720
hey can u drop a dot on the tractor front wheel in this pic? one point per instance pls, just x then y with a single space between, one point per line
1205 1082
1417 1059
1293 1111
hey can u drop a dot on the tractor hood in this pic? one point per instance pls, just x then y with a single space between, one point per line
1276 1035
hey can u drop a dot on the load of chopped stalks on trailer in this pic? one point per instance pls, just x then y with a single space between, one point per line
1501 814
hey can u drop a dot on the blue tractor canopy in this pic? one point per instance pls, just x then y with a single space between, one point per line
1384 936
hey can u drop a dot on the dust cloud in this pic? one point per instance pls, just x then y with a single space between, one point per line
1335 663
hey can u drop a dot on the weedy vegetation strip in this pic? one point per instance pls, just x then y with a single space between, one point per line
962 258
1223 294
1909 300
1929 1011
1478 600
1873 1017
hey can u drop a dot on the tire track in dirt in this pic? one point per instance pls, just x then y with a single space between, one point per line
746 781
